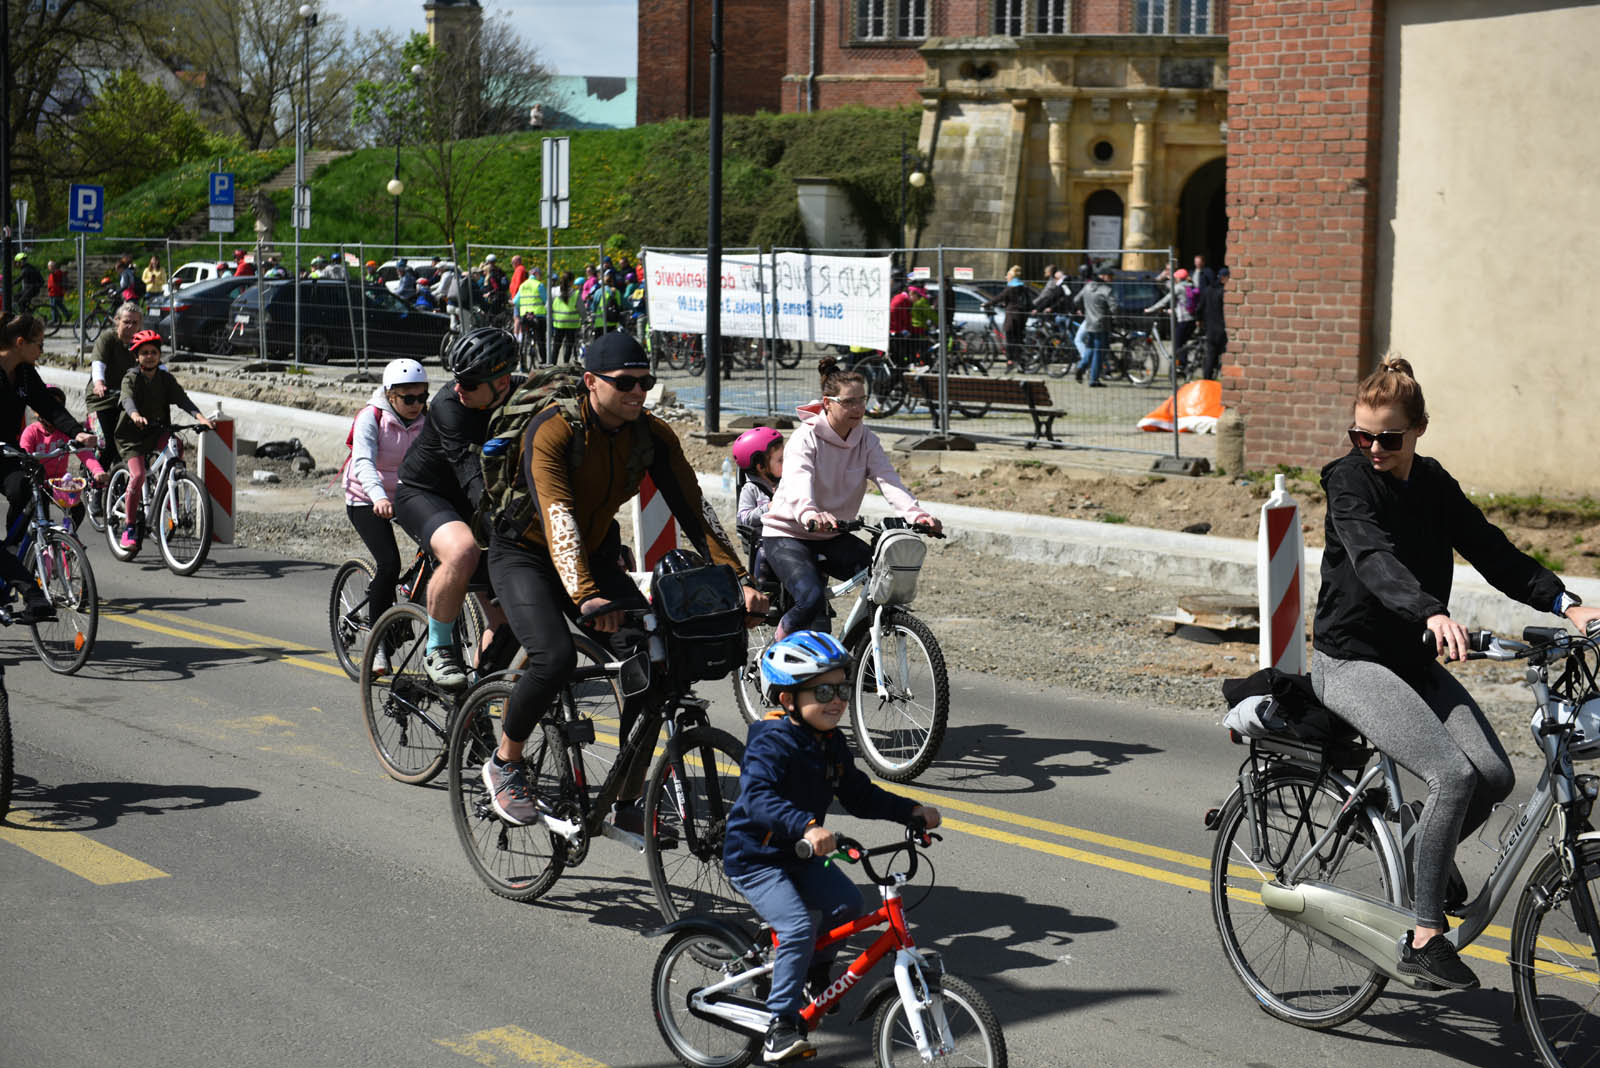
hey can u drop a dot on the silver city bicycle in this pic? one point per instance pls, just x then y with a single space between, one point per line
58 562
1310 885
899 687
175 497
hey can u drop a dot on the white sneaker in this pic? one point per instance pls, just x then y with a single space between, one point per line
380 662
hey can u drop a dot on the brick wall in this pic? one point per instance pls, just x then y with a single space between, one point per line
675 58
1304 111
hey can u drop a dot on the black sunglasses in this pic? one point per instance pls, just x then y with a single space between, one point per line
628 382
1389 440
829 691
411 398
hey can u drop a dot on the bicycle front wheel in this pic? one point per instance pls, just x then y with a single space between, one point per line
973 1028
898 731
61 568
687 799
406 714
1553 961
519 863
747 685
183 522
691 961
1143 361
885 392
1291 971
350 614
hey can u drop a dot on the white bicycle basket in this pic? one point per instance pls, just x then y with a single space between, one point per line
896 563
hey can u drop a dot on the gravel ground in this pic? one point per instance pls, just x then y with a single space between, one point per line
1074 628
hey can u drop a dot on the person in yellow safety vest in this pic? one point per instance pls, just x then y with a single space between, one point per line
607 304
531 312
566 317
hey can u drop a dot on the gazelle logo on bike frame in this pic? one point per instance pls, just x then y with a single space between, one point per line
840 985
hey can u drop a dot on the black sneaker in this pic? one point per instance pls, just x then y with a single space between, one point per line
508 792
786 1037
36 607
1438 962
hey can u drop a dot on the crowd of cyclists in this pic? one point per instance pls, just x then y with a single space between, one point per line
555 560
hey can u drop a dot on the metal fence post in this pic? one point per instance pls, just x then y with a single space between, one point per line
82 316
1172 326
944 353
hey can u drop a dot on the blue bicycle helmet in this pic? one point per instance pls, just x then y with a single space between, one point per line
798 658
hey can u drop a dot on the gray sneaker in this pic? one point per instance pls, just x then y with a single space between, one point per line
508 792
445 668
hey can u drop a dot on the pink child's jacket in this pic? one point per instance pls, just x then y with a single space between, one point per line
823 472
36 437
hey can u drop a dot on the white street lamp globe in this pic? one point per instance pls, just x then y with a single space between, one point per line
306 10
416 70
916 179
396 187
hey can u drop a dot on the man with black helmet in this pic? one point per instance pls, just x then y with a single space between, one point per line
567 560
441 481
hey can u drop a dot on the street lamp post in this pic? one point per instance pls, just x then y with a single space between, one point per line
916 179
308 19
396 187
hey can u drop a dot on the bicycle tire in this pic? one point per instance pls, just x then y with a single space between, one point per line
973 1027
1143 361
692 960
691 790
747 684
94 499
350 615
899 734
885 390
786 354
65 643
1256 941
183 522
517 863
51 318
116 495
7 768
965 365
406 716
1553 973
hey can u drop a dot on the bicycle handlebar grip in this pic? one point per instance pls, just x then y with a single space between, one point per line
1478 641
1542 635
596 613
803 850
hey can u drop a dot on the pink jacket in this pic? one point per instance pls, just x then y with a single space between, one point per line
378 442
36 437
823 472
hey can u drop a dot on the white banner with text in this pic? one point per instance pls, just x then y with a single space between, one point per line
826 300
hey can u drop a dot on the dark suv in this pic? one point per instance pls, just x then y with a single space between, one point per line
204 314
335 318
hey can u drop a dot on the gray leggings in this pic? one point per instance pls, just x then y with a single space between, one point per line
1436 732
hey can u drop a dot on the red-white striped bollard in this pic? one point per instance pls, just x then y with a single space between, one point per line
217 471
1280 582
655 532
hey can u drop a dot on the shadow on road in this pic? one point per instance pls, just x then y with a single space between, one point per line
127 605
143 662
996 758
86 806
1477 1027
232 567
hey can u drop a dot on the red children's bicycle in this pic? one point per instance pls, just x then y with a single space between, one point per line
710 985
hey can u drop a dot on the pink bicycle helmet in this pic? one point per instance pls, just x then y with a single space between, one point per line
753 445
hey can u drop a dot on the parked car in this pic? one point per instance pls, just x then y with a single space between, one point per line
390 273
192 272
970 318
204 318
332 314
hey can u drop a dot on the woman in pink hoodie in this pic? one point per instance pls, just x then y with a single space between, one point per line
826 465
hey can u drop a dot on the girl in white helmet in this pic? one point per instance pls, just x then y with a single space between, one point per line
382 433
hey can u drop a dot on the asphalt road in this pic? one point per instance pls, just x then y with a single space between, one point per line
205 865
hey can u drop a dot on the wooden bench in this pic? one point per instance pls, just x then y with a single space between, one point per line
1011 395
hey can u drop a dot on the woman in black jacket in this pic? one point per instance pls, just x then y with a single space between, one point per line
1017 302
1394 521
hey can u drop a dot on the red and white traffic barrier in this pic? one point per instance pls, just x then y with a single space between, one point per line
217 452
1280 582
655 532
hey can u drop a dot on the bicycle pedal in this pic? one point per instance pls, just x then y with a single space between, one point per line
627 838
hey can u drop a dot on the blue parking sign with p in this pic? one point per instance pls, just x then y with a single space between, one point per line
221 188
86 209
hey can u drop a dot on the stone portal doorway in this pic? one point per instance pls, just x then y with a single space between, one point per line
1103 223
1203 215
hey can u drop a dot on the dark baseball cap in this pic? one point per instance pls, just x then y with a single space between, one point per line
615 351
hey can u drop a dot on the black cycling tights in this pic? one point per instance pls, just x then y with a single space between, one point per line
377 534
537 606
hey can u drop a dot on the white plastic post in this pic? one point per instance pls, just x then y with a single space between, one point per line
217 452
1280 581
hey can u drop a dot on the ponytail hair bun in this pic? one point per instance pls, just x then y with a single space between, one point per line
1393 383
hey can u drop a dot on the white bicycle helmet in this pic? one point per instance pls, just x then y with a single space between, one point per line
403 372
797 658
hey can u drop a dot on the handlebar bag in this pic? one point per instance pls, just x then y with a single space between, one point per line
896 563
701 611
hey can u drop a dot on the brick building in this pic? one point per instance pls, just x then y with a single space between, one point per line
674 58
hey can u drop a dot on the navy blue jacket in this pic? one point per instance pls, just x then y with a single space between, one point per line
791 775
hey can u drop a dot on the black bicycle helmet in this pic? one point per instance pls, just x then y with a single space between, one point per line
482 356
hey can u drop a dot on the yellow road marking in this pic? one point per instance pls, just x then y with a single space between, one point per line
1188 882
232 632
513 1045
267 650
77 853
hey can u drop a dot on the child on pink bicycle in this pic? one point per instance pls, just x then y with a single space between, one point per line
795 763
42 436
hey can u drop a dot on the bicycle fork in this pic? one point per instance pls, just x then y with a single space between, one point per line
922 1002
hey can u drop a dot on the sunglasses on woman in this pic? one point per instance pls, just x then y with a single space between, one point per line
1389 440
830 691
